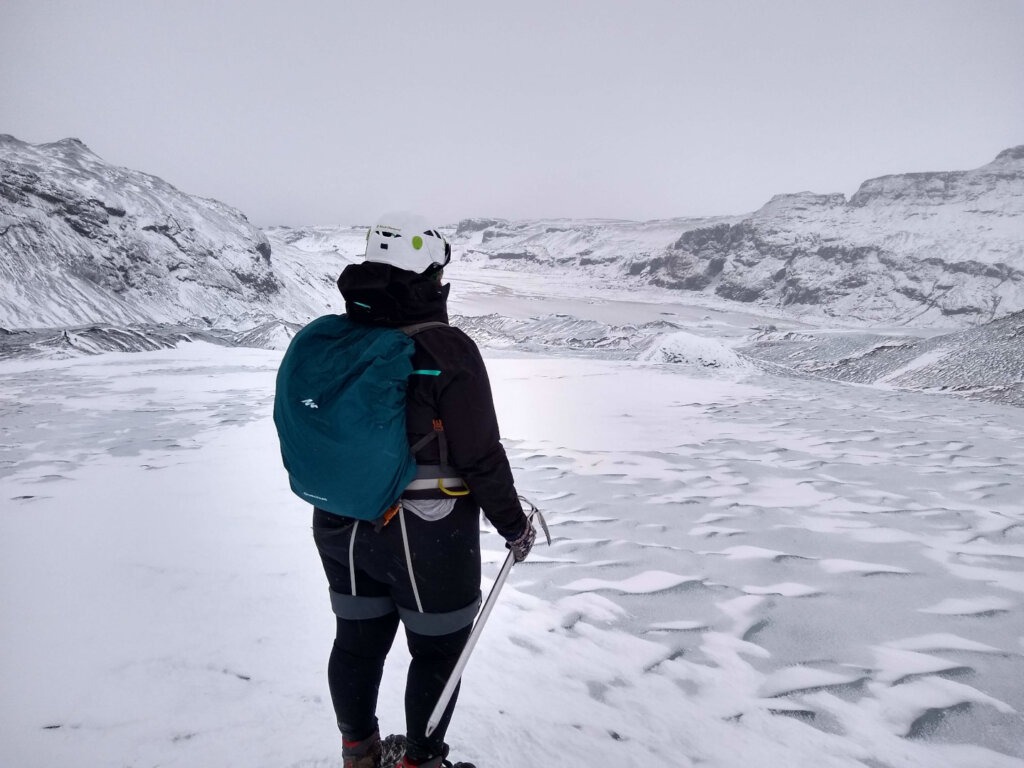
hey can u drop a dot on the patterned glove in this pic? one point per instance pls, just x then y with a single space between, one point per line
523 543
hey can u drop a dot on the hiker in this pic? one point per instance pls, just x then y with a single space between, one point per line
421 565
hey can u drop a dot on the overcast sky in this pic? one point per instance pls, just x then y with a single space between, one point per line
333 111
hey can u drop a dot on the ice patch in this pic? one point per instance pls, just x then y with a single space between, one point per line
803 679
833 565
893 665
708 531
942 641
786 589
953 606
747 552
905 705
679 626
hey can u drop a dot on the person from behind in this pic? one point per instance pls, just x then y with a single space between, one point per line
419 565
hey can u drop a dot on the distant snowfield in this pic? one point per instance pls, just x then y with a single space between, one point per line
746 570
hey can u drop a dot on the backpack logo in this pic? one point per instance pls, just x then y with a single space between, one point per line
309 403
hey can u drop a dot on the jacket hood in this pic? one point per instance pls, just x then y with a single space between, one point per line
385 295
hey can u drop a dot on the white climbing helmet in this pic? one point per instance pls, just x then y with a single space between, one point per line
407 241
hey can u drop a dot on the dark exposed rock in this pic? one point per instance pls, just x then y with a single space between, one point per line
469 226
737 292
985 362
83 240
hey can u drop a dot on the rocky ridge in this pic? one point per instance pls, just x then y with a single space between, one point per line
941 249
84 241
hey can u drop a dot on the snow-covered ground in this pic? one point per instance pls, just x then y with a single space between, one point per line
747 570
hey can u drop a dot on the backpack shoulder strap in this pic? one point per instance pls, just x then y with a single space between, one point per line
437 433
412 330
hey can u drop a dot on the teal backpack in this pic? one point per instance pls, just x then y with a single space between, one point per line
339 409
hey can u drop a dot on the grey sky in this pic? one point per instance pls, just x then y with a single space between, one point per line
325 112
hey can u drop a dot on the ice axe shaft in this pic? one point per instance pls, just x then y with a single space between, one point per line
460 665
481 619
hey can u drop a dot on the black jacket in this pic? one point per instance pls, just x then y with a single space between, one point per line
460 395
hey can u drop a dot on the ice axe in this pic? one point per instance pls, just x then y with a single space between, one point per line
481 619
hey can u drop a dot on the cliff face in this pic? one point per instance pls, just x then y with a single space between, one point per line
938 248
83 241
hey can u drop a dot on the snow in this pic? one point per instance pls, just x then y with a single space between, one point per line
953 606
786 589
866 569
803 679
647 582
687 348
747 569
922 361
942 642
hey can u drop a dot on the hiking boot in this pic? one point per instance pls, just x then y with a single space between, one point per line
361 754
440 761
392 750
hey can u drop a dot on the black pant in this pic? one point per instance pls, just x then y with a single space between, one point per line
437 598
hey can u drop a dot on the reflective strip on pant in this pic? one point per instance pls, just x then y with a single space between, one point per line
359 607
435 624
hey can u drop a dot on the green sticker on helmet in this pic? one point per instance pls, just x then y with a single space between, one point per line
417 242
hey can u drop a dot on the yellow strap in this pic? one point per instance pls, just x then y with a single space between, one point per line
446 492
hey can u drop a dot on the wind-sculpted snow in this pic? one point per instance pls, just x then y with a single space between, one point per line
761 571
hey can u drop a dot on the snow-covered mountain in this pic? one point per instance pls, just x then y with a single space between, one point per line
940 249
98 258
83 241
